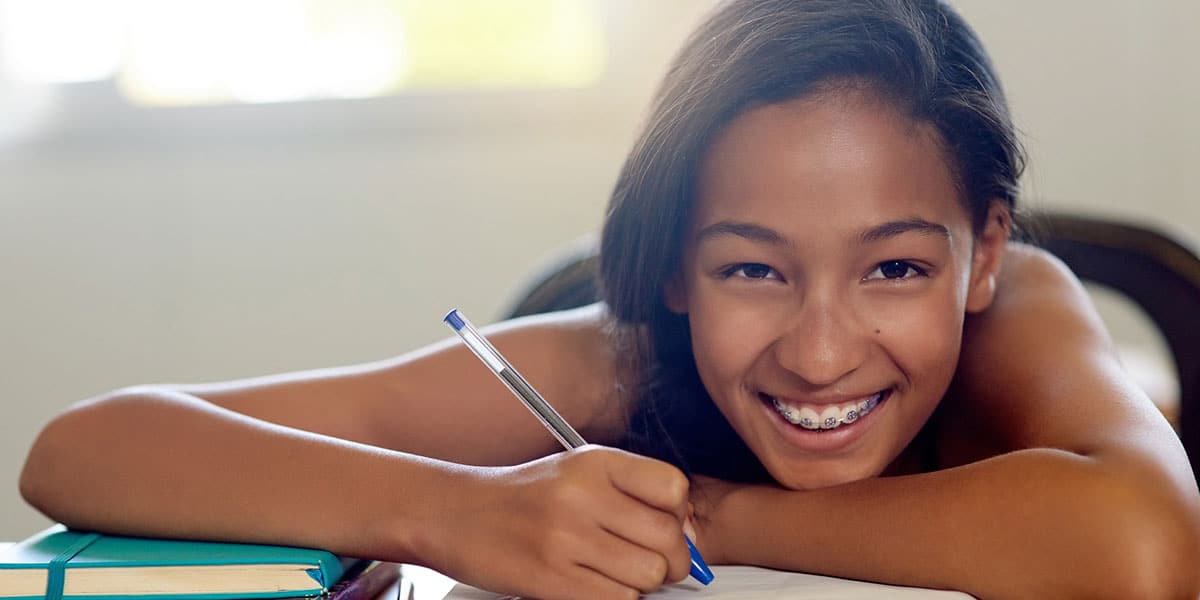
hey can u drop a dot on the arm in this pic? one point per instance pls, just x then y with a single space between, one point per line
374 461
1084 492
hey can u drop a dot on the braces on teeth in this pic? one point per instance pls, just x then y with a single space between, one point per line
848 416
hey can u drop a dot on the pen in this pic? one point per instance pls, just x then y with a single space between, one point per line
558 427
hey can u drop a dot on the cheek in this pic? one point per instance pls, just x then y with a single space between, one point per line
923 337
727 338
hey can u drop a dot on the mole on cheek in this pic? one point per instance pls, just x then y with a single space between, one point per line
876 332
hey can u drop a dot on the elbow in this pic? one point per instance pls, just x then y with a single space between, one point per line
58 464
41 482
1171 566
1180 566
1156 554
41 475
1115 535
31 486
1166 571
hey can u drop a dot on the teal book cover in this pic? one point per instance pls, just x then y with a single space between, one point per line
63 564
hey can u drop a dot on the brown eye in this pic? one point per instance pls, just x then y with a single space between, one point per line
751 271
756 271
896 269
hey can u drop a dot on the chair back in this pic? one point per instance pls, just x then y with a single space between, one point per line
1160 273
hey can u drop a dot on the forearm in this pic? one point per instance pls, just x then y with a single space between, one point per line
1029 524
167 464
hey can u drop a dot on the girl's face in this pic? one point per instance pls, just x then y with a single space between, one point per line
827 270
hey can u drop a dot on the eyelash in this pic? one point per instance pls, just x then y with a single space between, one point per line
733 270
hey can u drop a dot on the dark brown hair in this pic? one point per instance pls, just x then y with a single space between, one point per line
919 55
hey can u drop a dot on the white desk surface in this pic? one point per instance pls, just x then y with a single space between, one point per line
418 583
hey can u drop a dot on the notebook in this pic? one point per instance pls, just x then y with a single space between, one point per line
62 564
756 583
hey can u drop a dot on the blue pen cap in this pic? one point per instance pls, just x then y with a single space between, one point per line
455 321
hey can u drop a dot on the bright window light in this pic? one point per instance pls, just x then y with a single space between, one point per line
60 41
186 52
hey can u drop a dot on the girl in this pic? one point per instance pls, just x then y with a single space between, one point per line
811 308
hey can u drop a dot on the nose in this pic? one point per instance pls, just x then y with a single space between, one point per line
823 342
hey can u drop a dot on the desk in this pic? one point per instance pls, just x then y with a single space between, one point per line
427 584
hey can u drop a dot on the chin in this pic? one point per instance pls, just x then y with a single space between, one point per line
823 476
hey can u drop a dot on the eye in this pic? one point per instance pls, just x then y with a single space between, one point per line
750 271
896 269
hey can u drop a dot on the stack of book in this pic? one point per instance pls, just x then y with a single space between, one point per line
62 564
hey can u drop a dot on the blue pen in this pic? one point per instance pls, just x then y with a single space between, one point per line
559 428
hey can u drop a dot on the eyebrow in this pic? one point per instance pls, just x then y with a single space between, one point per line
878 233
750 231
892 229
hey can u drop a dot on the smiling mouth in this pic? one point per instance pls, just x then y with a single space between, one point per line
829 417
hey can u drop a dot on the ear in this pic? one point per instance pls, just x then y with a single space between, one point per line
987 257
675 295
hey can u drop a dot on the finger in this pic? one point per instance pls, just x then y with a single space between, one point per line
649 528
625 562
574 583
585 583
650 481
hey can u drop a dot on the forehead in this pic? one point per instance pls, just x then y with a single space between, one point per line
839 161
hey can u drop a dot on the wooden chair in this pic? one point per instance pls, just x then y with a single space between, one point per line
1158 272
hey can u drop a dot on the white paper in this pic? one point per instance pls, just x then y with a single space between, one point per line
755 583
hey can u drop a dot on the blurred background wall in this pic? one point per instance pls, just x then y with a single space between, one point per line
153 243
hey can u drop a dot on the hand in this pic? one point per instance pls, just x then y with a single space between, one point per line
590 523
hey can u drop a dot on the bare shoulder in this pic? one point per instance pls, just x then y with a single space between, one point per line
566 355
1039 369
1030 273
1038 298
569 352
570 340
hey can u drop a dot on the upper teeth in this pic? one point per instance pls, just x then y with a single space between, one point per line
830 416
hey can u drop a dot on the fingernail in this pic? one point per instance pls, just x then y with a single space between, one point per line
689 529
